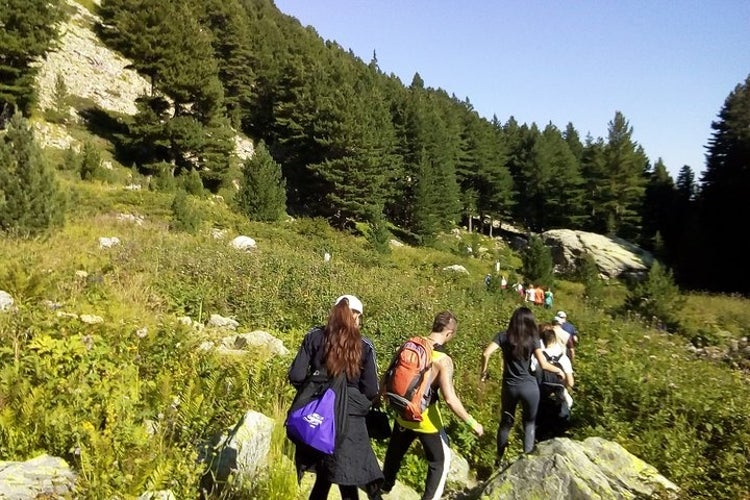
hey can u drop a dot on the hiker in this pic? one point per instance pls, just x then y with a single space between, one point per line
530 293
430 430
503 283
571 341
518 343
554 351
340 348
548 298
539 296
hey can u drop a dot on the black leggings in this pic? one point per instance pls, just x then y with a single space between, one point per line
528 394
436 450
322 486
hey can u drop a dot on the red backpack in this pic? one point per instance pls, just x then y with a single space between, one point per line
408 380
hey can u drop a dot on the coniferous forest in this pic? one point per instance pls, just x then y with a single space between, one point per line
356 144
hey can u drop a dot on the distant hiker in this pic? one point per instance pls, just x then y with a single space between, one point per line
571 341
539 296
518 287
518 344
548 298
503 283
430 430
487 281
530 293
339 348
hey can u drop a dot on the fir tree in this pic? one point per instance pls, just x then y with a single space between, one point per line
30 199
538 266
91 162
27 30
723 196
262 196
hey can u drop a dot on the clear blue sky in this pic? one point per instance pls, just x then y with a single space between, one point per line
667 65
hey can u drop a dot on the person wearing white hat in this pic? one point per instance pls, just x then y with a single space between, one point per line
338 348
570 336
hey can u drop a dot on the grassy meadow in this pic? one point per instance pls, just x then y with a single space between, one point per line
129 401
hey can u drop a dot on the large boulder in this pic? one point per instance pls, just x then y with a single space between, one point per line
614 257
42 477
593 469
243 452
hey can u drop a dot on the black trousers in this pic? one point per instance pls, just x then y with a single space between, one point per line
438 459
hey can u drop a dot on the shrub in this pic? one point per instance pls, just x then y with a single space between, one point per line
657 297
30 198
185 217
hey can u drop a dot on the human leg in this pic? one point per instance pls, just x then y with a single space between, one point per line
400 441
348 492
438 455
508 405
529 393
320 489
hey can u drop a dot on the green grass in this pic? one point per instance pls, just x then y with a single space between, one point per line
635 385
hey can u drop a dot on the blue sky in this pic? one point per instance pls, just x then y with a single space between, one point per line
667 65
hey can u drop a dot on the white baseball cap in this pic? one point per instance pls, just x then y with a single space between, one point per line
561 315
354 303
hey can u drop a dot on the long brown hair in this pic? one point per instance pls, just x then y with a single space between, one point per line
522 333
343 342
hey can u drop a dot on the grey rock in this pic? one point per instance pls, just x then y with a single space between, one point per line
218 321
565 469
6 301
42 477
254 340
614 257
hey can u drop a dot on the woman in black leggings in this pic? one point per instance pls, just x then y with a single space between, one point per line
518 343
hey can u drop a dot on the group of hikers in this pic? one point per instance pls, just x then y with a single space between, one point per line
338 349
531 294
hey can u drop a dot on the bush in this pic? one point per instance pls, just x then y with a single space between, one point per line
657 298
184 216
30 198
538 266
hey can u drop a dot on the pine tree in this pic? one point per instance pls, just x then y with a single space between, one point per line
185 217
723 196
624 180
27 30
91 162
30 199
658 215
262 196
538 266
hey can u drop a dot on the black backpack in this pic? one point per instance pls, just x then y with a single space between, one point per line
551 386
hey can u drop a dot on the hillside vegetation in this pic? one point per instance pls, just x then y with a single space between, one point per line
87 392
99 366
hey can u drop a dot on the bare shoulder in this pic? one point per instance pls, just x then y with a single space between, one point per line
445 365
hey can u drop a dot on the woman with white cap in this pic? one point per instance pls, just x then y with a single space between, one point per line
339 348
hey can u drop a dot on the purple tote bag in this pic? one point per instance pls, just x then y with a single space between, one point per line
314 424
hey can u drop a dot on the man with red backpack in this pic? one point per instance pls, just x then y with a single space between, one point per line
419 370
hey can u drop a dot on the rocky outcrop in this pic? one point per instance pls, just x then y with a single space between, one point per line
89 69
42 477
565 469
242 452
614 257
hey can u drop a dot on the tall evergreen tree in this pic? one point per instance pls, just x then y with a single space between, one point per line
262 196
30 198
538 266
723 197
621 182
27 30
658 216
